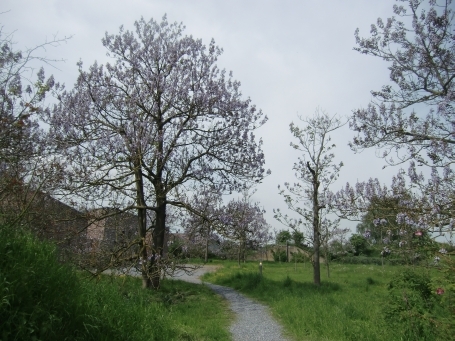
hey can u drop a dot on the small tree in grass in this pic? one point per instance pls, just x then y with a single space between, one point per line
243 222
202 223
283 237
315 171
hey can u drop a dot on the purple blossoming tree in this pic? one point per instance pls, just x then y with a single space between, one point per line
143 131
414 118
201 224
411 120
243 223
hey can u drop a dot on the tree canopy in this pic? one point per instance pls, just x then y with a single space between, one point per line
159 121
421 59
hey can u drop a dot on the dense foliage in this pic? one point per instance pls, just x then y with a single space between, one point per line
41 299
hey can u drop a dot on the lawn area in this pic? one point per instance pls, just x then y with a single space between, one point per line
42 299
348 306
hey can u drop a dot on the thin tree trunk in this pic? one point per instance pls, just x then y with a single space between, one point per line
244 251
327 250
316 263
327 262
206 257
382 254
287 251
295 261
316 237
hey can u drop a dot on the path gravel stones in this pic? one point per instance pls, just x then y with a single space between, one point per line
253 321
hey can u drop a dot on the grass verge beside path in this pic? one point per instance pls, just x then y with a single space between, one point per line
41 299
348 306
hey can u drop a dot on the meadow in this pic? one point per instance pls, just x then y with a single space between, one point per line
353 304
42 299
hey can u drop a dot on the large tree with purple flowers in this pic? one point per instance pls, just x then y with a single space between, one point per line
141 132
412 119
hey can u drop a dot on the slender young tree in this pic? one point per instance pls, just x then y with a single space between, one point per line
315 170
140 132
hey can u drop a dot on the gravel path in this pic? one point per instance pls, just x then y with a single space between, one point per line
253 321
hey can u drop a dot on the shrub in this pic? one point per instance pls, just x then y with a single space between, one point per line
410 306
359 244
39 296
279 256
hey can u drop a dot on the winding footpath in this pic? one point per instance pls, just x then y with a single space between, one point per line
253 320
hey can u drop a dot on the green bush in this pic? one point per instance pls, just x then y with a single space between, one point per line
412 307
360 245
279 256
287 282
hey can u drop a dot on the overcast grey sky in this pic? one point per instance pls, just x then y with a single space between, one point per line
290 56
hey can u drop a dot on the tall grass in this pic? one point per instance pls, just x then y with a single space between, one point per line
349 305
41 299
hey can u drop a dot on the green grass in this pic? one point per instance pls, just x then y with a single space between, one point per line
41 299
348 306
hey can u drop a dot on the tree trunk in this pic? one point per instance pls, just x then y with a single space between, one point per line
316 263
316 237
287 251
207 246
244 251
142 223
160 225
327 262
158 243
327 250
